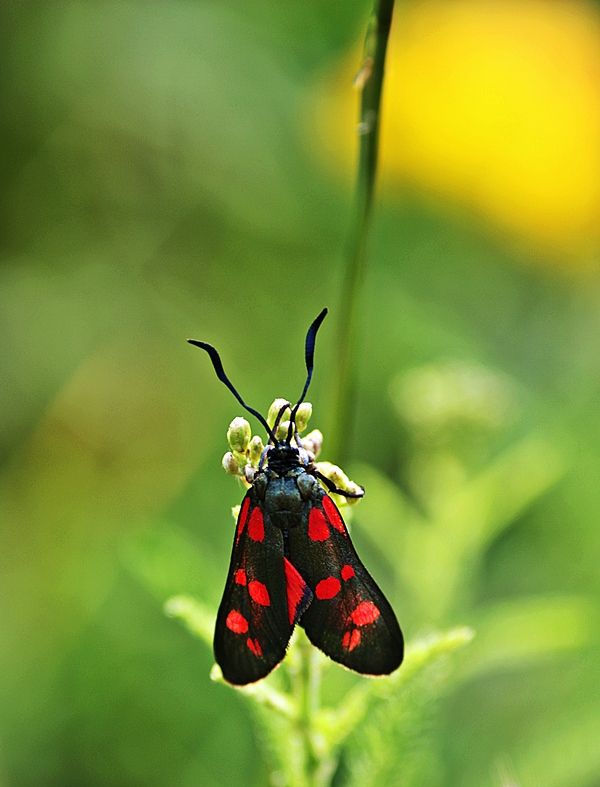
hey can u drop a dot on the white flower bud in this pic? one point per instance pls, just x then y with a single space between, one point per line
313 442
230 464
256 448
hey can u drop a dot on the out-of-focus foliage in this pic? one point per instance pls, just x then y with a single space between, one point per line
161 177
495 106
383 729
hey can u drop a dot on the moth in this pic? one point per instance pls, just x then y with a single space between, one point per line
293 562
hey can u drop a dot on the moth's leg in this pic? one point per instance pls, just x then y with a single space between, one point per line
333 488
263 456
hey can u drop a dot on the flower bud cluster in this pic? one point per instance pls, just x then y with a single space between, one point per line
246 450
245 453
243 458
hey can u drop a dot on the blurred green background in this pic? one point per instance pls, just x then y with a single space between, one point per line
183 169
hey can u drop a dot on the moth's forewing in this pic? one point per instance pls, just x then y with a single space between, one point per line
349 619
253 626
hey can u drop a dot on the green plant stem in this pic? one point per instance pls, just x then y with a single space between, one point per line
306 686
344 378
308 703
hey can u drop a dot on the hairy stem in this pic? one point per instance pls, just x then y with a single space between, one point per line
372 75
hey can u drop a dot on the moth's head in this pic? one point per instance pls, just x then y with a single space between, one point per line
283 451
283 456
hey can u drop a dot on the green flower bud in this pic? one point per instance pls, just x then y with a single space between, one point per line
216 674
274 411
256 448
356 490
334 473
313 442
282 430
238 435
230 464
303 416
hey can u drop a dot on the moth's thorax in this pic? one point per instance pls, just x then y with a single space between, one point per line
286 496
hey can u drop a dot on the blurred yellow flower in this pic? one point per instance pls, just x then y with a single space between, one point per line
493 105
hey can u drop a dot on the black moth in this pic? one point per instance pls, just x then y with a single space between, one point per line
293 562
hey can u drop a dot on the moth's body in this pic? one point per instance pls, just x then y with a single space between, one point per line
287 490
293 562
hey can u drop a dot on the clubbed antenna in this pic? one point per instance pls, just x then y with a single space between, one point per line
216 362
309 354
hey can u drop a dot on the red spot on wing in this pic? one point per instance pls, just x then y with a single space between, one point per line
240 576
242 519
256 526
351 639
328 588
259 593
254 646
333 515
296 589
347 572
365 613
236 622
318 529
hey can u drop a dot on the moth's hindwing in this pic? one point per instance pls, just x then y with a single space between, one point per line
349 618
253 623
